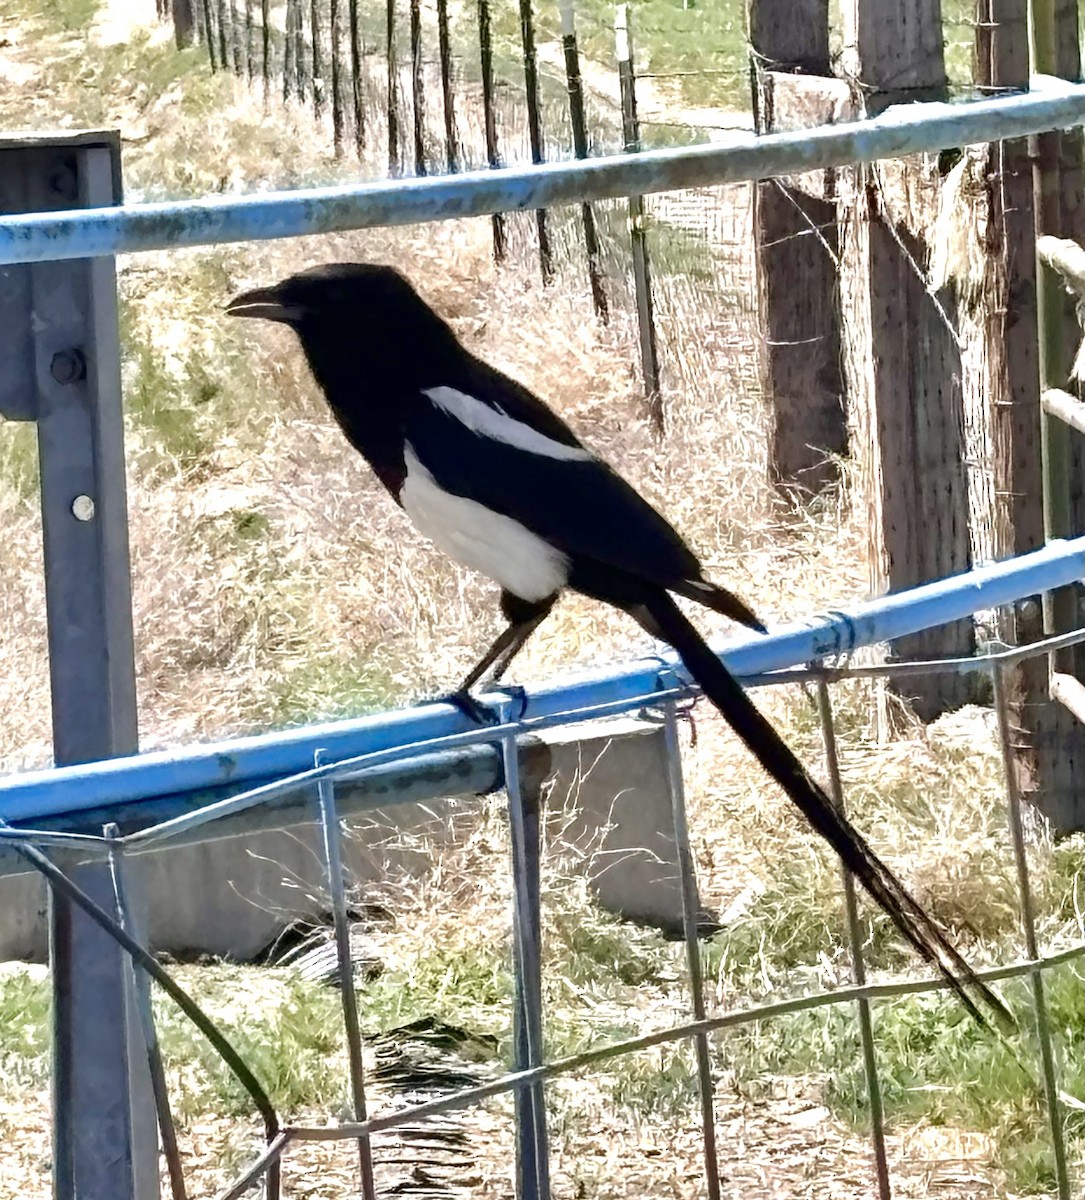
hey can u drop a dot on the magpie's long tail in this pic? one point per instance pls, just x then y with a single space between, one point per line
662 618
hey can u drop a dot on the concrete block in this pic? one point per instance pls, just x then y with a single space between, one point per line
609 815
609 807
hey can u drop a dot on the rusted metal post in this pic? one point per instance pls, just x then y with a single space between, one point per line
335 25
357 83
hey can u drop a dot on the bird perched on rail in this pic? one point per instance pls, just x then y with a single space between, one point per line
500 483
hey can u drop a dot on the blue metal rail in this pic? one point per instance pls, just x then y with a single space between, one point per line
905 129
37 795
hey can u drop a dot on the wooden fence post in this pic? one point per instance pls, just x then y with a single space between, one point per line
797 249
902 353
1056 736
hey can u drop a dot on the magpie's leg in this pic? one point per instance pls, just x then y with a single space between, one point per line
524 617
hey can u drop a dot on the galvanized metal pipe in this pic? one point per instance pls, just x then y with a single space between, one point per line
35 795
907 129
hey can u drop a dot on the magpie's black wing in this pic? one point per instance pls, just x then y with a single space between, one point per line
551 484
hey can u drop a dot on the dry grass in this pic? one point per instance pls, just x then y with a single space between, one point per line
275 581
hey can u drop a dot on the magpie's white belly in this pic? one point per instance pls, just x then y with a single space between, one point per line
489 542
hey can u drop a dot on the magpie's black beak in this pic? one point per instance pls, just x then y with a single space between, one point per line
265 303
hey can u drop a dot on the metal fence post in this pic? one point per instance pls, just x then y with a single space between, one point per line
1028 929
690 920
140 995
858 966
532 1157
579 123
489 119
642 278
333 862
60 367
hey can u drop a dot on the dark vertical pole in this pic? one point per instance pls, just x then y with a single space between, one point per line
393 87
444 43
315 36
534 129
302 74
493 157
356 83
265 66
184 23
290 68
220 17
250 49
526 771
642 278
220 25
418 88
235 37
337 77
579 124
60 366
207 31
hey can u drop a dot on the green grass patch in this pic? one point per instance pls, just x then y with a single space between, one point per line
936 1065
19 473
25 1008
289 1032
463 984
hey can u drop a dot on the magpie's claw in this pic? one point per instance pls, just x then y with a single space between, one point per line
474 710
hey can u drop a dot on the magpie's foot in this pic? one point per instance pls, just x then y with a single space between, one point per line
474 710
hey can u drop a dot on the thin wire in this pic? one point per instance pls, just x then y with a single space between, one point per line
139 981
333 861
1028 928
891 228
855 934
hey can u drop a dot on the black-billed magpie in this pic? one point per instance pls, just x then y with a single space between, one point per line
500 483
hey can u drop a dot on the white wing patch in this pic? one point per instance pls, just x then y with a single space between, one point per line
489 542
490 422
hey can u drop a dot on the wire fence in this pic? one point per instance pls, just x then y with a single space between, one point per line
412 89
527 1081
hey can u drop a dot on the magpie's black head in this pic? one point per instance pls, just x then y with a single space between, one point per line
349 311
